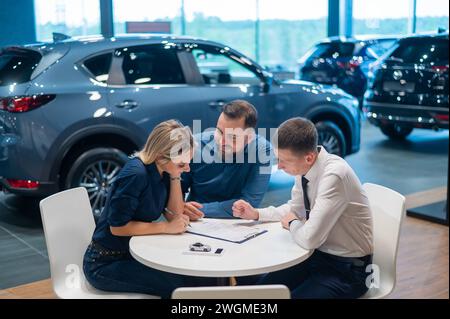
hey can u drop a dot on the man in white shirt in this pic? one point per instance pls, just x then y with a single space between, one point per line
328 213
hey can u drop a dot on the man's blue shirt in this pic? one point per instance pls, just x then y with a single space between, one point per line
218 183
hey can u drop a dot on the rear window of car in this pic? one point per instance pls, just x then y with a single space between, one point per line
17 65
422 51
99 66
333 50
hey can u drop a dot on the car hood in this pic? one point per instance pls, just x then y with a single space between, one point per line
314 88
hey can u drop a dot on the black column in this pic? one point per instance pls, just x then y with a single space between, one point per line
333 17
17 22
106 18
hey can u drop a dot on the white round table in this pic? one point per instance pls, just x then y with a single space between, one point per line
268 252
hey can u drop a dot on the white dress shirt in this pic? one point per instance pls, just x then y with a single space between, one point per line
340 220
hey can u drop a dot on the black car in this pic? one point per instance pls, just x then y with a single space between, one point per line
409 88
343 62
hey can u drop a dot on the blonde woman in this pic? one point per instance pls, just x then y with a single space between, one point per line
147 185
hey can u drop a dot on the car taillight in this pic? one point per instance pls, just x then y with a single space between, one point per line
439 68
353 64
19 183
442 117
19 104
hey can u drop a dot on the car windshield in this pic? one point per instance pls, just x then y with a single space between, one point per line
378 48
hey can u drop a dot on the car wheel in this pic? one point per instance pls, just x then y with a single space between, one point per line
96 169
331 137
396 132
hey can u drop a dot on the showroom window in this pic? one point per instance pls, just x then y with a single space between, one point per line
74 18
98 66
381 16
431 15
288 29
217 68
157 16
232 24
151 64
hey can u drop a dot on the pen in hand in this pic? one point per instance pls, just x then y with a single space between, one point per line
173 214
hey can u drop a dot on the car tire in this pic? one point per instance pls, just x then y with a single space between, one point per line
95 169
331 137
396 132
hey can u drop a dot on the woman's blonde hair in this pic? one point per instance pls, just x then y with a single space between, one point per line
167 140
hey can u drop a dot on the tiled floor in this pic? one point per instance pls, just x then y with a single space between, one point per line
418 164
23 255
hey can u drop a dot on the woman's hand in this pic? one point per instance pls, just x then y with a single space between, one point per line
177 225
175 170
244 210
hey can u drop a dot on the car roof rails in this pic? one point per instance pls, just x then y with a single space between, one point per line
57 37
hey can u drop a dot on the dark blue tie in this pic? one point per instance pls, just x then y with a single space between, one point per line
305 196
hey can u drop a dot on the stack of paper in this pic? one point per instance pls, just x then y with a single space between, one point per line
224 231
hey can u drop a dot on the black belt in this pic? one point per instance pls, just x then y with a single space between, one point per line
357 261
105 251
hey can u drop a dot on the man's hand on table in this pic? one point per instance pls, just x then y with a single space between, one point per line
244 210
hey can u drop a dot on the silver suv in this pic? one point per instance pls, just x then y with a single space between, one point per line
71 111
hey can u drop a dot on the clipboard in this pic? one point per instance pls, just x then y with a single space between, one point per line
237 234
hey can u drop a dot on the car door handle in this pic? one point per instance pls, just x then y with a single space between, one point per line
216 104
127 104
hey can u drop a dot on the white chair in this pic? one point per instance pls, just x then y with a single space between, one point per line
68 227
388 209
233 292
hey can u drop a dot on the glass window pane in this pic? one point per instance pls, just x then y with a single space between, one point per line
147 11
217 68
430 51
98 66
334 50
74 18
231 23
288 29
431 15
381 16
378 48
17 65
152 64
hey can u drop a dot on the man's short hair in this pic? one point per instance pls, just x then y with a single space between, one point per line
298 135
239 109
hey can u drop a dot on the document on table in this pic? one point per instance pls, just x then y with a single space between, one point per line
224 231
